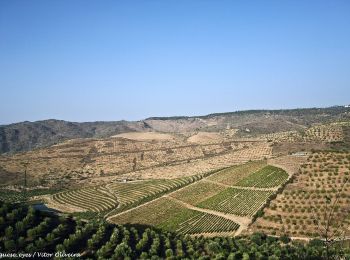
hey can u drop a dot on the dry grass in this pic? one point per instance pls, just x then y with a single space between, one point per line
205 137
90 161
146 136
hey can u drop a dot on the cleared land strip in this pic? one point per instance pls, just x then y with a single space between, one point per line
242 221
242 187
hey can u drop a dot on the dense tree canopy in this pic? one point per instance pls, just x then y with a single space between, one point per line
23 229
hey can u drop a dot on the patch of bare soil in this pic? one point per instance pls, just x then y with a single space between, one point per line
68 208
205 137
146 136
285 148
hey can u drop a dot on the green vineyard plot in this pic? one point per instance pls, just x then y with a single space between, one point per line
197 192
267 177
189 221
153 213
133 192
206 223
237 201
25 230
234 174
171 216
91 199
194 205
124 195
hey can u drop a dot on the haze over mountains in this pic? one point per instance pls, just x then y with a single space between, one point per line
25 136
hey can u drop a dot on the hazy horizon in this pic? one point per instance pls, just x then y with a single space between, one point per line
108 61
194 115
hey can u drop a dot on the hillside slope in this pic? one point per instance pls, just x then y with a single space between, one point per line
27 136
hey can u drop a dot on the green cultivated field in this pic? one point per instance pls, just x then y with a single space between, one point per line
267 177
169 215
151 214
206 223
237 201
133 192
123 202
25 230
91 199
105 198
198 192
234 174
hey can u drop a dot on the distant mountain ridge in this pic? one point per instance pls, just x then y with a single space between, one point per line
294 111
25 136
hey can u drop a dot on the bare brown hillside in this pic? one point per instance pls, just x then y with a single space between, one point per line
26 136
131 155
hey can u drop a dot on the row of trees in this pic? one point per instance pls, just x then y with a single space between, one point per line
26 230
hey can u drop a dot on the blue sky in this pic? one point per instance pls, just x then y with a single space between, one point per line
112 60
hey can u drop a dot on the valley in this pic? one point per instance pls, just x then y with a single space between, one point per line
223 182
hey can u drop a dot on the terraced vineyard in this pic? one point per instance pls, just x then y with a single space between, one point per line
133 192
200 208
105 198
237 201
267 177
169 215
198 192
26 230
95 199
206 223
151 214
234 174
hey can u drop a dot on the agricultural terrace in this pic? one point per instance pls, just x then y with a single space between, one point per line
198 192
206 223
237 201
267 177
190 207
19 196
283 137
172 216
232 175
300 209
200 207
326 133
105 198
25 230
134 192
95 199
